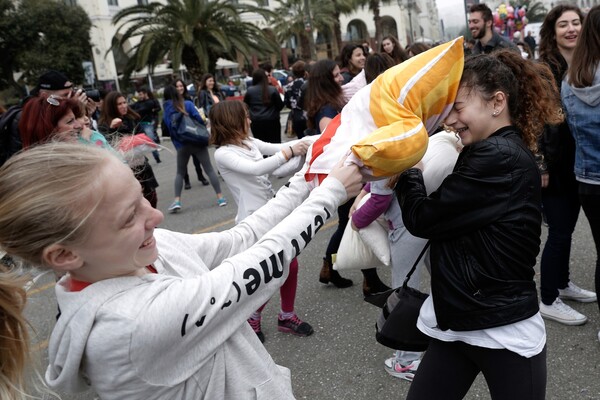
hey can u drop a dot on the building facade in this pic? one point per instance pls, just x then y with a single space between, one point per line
409 20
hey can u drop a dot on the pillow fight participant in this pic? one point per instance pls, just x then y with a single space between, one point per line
560 200
148 108
580 95
240 160
405 248
291 98
149 313
325 99
484 224
174 104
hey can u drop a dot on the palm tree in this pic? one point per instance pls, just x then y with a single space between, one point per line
293 24
374 8
194 33
342 7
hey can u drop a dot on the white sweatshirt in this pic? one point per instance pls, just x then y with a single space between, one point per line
182 333
246 172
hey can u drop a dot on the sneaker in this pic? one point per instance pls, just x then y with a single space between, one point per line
175 207
560 312
574 292
394 368
255 325
222 202
294 326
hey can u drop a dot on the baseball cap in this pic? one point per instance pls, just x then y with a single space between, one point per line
54 80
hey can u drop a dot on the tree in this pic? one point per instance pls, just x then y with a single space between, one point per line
29 29
342 7
293 24
374 8
194 33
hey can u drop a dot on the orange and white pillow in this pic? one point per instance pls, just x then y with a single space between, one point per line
386 124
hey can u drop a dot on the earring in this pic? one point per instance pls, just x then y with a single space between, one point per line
495 113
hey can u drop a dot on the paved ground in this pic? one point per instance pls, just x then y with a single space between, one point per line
342 360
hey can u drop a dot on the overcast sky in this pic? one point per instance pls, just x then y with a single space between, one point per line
452 12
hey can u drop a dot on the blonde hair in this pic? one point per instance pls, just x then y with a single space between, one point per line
47 193
14 338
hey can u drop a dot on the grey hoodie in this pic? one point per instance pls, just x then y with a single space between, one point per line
590 94
182 333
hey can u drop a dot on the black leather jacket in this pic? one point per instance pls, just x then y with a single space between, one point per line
484 223
260 111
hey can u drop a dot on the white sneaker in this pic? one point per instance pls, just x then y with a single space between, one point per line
574 292
394 368
560 312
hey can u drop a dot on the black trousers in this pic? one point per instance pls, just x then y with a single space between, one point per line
589 195
448 370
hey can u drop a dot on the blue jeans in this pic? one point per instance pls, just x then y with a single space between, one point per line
562 211
151 133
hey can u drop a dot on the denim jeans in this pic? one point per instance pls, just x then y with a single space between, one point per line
562 211
151 133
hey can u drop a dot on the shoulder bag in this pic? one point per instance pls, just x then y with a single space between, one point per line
187 130
396 327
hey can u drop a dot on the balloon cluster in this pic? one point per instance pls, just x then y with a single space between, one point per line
509 19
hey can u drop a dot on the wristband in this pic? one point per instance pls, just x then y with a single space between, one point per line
292 150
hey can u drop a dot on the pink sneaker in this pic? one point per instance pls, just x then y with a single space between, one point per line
394 368
294 326
255 324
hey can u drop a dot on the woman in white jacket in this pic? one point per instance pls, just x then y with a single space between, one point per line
147 313
241 161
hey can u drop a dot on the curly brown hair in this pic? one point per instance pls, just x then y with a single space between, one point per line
529 88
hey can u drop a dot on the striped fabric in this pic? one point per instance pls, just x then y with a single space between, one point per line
386 124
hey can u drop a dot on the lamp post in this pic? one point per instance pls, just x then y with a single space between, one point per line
408 4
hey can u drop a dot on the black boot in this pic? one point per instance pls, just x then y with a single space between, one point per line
371 282
328 274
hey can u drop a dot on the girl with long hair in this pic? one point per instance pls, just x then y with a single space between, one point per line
484 227
580 95
391 46
148 313
210 93
241 160
560 200
352 61
118 119
264 103
174 104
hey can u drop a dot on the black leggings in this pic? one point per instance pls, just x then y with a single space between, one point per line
448 370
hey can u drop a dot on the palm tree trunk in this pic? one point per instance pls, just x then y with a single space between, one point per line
377 19
304 47
337 35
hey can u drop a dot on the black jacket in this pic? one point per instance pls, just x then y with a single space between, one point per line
484 223
260 111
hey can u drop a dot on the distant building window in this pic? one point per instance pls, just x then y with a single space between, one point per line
113 3
142 2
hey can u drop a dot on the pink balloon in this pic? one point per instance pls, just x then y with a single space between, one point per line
522 13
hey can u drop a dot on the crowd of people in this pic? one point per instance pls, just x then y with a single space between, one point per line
519 147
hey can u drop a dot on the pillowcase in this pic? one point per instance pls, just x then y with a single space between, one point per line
404 103
367 248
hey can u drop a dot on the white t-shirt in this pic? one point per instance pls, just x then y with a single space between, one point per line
526 338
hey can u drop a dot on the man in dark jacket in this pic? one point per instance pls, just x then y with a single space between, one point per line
480 25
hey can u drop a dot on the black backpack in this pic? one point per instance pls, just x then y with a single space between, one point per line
8 138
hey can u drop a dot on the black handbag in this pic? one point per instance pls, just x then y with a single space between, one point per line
187 130
396 327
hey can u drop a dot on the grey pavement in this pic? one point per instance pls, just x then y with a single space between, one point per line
342 360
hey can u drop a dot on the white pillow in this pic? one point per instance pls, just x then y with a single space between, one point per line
367 248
